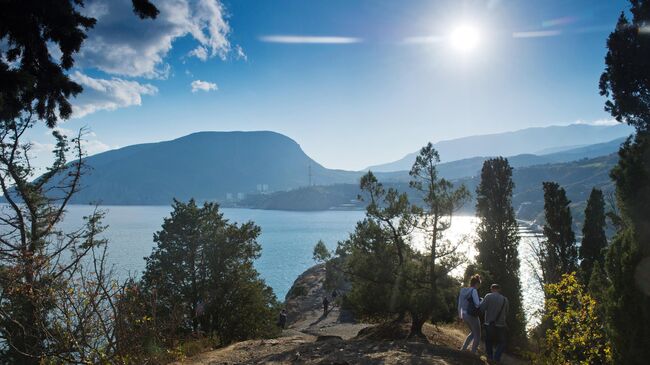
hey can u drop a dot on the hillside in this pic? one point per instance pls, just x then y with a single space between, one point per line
336 337
577 177
526 141
205 165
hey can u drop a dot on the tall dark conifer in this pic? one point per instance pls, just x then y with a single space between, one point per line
559 251
626 84
498 239
594 239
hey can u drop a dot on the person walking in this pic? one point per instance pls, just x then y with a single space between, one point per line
282 319
495 306
326 304
468 304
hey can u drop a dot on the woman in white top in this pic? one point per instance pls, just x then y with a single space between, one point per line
468 303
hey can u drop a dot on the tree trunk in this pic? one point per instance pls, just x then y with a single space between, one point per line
416 326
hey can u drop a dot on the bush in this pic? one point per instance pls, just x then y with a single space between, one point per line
576 334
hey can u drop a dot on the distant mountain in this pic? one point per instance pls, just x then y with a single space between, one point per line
576 177
472 166
205 166
525 141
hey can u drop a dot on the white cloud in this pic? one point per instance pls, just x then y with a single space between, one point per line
102 94
299 39
198 85
122 44
200 52
537 34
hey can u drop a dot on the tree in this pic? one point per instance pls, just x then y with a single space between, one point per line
386 273
35 81
558 254
321 253
498 239
594 240
439 202
54 288
626 84
578 335
56 296
201 276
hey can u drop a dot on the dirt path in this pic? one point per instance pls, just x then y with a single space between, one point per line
316 338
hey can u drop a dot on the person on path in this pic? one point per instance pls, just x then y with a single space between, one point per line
326 304
282 319
468 303
495 306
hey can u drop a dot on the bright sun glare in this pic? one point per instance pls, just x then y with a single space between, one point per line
464 38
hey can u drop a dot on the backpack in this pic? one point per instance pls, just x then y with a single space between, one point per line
471 308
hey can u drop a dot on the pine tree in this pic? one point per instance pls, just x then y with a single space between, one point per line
594 240
498 239
202 276
440 200
559 254
626 84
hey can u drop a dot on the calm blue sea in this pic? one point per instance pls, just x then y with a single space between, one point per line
287 238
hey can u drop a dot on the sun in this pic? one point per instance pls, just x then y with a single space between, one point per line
464 38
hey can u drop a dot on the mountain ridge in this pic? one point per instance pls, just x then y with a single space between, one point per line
514 143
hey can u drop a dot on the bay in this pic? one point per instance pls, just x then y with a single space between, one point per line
287 241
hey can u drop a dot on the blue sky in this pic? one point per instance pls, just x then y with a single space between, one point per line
377 80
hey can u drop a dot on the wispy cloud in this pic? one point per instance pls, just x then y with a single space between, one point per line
424 39
240 54
537 34
198 85
300 39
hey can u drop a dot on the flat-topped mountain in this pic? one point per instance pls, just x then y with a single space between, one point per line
206 166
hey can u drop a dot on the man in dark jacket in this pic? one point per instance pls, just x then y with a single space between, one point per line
495 307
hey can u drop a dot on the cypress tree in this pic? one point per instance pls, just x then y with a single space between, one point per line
559 252
626 84
498 239
594 240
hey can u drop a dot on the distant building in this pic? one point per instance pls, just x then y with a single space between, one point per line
262 188
241 196
229 197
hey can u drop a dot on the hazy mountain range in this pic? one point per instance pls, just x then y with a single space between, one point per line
543 140
228 166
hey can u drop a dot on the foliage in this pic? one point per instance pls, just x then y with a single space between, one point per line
321 253
577 335
626 82
377 252
200 278
558 254
55 293
33 76
626 79
628 305
498 240
440 200
594 240
388 274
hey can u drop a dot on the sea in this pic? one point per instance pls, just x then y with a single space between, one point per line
287 239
